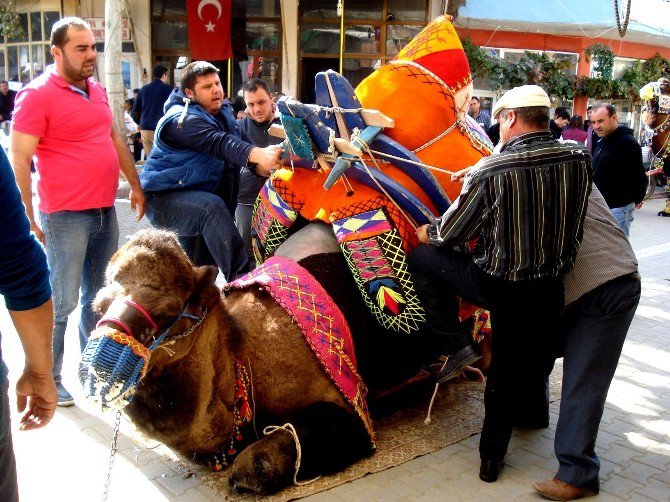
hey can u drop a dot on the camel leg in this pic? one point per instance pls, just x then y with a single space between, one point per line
331 438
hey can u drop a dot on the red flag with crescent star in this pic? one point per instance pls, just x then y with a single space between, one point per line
209 29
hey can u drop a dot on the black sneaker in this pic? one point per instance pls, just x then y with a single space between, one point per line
64 397
456 362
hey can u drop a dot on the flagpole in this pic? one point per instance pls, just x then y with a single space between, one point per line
230 78
340 9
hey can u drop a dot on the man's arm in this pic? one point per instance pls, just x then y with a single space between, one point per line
198 134
36 390
462 221
21 150
127 166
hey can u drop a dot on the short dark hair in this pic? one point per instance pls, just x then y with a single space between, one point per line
59 29
608 106
534 116
254 84
192 71
136 90
475 97
3 82
158 71
562 113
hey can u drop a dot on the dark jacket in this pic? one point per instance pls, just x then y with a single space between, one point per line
250 183
205 153
148 106
7 104
493 133
617 168
556 131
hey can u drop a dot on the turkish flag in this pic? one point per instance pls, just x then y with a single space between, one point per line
209 29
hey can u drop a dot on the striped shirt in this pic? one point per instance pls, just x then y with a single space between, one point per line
526 205
604 254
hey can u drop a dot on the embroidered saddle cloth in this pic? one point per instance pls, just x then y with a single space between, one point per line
321 322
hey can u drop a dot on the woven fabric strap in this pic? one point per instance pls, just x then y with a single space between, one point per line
320 321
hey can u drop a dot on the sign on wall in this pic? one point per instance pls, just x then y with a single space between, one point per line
97 25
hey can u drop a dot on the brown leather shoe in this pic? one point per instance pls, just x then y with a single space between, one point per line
555 489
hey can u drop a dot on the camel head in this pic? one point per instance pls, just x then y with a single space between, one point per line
153 293
656 117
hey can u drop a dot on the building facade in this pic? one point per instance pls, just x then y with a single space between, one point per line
286 42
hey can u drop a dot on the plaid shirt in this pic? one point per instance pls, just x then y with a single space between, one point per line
526 205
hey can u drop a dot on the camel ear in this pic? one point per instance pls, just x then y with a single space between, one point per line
205 291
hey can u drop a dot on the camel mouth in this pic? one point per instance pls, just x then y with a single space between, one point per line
109 372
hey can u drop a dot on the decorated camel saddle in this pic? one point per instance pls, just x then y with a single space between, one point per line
375 165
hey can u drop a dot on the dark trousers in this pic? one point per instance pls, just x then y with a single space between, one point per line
595 328
524 316
201 219
8 488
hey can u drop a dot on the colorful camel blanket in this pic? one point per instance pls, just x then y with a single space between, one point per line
321 322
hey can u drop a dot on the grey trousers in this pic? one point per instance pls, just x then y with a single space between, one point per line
595 328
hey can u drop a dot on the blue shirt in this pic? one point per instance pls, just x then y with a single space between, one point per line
24 275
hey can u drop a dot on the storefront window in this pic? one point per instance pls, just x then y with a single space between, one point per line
262 36
263 8
398 36
162 8
170 36
27 55
375 29
256 37
320 38
363 38
36 26
406 10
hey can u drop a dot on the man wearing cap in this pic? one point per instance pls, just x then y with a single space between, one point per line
526 206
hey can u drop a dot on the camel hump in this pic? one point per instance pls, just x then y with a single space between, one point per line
315 238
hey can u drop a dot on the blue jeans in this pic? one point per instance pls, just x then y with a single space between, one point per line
9 490
595 328
624 216
201 218
79 245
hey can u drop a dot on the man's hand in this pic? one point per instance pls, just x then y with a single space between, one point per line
137 202
38 232
266 159
36 398
422 234
459 175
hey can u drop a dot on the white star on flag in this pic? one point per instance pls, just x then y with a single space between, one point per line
210 26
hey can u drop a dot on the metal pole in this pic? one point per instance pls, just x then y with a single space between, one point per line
230 79
340 10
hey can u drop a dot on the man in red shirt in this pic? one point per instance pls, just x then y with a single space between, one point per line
64 120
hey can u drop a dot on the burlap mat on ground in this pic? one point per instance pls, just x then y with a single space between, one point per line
401 436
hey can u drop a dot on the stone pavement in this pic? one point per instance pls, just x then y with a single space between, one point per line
69 458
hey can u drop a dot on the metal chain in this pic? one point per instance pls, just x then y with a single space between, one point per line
112 454
622 30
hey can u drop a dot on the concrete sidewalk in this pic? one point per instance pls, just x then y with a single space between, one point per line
69 458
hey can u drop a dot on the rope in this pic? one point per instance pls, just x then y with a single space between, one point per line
621 29
366 148
428 420
270 429
437 138
402 159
